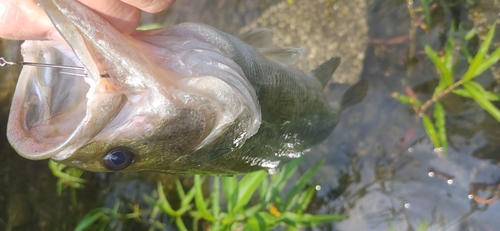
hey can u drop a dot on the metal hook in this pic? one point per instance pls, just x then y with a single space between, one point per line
4 62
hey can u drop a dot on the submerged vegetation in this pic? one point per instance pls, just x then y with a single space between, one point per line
253 202
446 63
464 86
67 177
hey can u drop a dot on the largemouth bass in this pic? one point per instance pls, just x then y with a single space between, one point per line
185 99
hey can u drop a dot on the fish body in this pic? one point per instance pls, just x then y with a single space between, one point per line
186 99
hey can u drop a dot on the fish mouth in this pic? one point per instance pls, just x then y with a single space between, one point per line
54 114
53 110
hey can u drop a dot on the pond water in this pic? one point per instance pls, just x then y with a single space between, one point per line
381 169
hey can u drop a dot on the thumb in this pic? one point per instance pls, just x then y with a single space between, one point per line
23 20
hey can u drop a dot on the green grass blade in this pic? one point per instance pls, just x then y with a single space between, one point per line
299 186
214 196
291 225
180 189
263 188
185 198
305 199
91 217
269 220
189 197
230 188
200 200
155 211
278 181
427 14
491 96
311 220
246 187
487 63
180 224
463 46
446 77
183 210
57 171
162 201
431 131
116 206
478 94
470 34
448 57
59 188
252 210
257 223
439 117
229 184
406 99
466 53
478 59
462 92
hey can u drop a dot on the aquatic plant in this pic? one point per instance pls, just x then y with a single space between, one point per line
67 177
254 202
422 21
446 63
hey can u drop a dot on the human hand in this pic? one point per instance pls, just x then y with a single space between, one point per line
25 20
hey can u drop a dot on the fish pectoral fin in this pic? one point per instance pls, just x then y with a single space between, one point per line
323 73
261 40
258 38
283 55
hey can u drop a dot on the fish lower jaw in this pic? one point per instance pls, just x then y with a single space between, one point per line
51 129
36 135
42 141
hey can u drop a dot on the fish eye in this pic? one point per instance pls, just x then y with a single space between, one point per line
118 159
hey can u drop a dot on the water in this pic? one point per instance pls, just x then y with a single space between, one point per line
381 169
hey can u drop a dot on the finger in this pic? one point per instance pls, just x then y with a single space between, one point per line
122 16
151 6
23 20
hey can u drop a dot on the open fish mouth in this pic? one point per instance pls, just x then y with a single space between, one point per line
50 111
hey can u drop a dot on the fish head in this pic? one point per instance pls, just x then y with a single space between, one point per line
115 107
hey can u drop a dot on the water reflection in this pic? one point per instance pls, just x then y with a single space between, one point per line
380 160
381 169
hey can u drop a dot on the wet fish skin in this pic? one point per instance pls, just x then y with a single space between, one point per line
187 99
